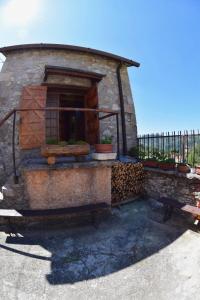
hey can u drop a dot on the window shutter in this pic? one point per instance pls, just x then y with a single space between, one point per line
32 123
92 121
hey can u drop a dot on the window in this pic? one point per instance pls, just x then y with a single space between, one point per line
72 125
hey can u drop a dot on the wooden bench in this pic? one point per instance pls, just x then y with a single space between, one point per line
93 209
170 204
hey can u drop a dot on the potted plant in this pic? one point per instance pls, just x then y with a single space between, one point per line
105 145
150 162
54 148
167 164
183 168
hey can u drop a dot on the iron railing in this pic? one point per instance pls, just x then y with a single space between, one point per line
183 147
108 113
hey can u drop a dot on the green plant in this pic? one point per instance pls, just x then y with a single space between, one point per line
80 142
150 159
162 157
106 140
71 142
74 142
168 160
65 143
133 151
158 155
137 152
51 141
62 143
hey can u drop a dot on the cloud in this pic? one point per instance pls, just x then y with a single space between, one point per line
19 14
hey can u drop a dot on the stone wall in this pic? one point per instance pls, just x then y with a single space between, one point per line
127 181
49 188
61 185
27 68
182 187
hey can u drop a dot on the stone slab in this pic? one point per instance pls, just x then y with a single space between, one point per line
104 156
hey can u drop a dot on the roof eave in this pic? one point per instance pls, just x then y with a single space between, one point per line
6 50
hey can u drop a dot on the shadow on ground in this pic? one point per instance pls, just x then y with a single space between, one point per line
131 234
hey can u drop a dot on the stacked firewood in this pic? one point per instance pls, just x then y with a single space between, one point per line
127 181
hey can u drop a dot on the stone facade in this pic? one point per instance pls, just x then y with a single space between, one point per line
22 68
182 187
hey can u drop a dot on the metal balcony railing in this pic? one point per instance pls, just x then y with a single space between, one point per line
182 146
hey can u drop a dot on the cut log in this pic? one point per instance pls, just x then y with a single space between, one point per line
126 181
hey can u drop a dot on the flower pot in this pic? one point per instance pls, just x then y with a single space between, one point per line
67 150
183 168
150 163
166 166
104 148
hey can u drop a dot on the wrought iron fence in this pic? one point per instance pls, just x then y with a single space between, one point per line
183 147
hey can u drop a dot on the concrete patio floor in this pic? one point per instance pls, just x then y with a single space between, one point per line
132 255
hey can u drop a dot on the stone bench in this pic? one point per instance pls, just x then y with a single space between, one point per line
171 204
92 209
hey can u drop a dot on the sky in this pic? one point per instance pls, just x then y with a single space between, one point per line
162 35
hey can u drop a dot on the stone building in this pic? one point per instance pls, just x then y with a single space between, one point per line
51 75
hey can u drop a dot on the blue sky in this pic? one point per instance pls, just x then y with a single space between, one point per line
163 35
